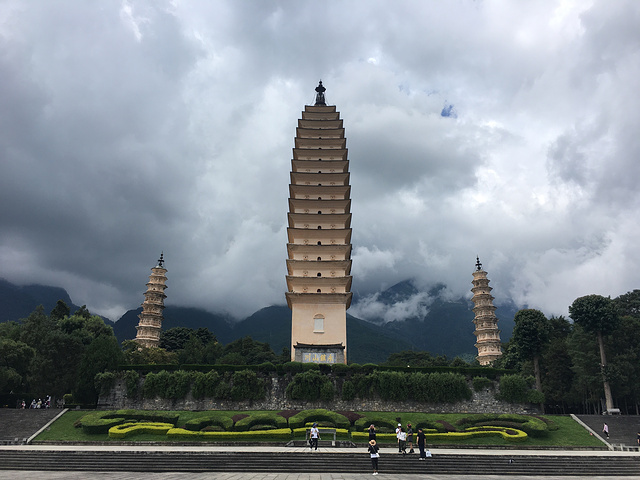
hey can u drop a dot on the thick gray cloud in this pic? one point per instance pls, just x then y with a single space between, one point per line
131 128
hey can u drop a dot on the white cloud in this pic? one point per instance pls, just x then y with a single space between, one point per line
131 128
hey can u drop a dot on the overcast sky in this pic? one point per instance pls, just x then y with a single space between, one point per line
508 130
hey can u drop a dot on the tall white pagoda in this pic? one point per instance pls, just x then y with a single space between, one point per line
150 323
319 237
486 322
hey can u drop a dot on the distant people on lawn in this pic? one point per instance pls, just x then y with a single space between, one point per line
372 432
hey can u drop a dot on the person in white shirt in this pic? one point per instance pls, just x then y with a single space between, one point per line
314 435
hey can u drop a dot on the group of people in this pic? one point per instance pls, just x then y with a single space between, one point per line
37 404
404 437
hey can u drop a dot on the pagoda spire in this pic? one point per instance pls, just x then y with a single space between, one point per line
320 94
150 320
319 237
486 322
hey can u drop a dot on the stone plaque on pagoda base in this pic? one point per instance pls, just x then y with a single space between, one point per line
319 353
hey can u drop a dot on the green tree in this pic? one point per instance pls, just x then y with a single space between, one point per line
587 376
135 354
175 338
251 351
628 305
558 378
597 315
15 358
531 336
60 311
102 354
410 358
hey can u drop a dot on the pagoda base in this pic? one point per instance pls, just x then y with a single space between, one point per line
306 353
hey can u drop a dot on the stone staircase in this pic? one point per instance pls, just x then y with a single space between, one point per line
622 428
318 462
17 425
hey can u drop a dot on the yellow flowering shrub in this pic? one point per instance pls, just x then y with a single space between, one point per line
134 428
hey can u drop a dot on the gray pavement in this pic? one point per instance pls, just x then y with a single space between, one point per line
255 450
31 475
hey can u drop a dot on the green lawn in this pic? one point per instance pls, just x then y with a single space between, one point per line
569 433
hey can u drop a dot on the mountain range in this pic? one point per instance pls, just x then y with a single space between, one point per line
441 326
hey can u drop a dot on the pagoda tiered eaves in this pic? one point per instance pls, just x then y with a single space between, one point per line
486 331
319 236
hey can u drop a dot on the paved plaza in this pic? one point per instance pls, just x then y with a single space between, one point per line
31 475
257 450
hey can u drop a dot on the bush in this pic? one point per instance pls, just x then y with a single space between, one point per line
104 382
272 419
101 422
218 419
310 385
348 391
514 388
535 396
245 385
341 433
128 429
532 426
179 384
205 384
382 424
439 387
131 380
363 437
319 415
392 385
481 383
340 369
282 434
365 385
292 367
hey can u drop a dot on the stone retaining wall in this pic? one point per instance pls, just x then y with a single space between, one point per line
481 402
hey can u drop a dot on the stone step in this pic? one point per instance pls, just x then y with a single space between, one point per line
446 464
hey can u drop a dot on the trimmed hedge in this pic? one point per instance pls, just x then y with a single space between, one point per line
480 383
361 437
282 434
310 385
271 419
218 419
319 415
101 422
341 433
509 434
532 426
133 428
382 425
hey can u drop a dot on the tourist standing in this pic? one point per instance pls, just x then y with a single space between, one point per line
372 432
410 437
373 452
422 440
402 442
605 430
314 435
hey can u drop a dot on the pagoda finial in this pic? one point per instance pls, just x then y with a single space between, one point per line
320 94
478 264
161 260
